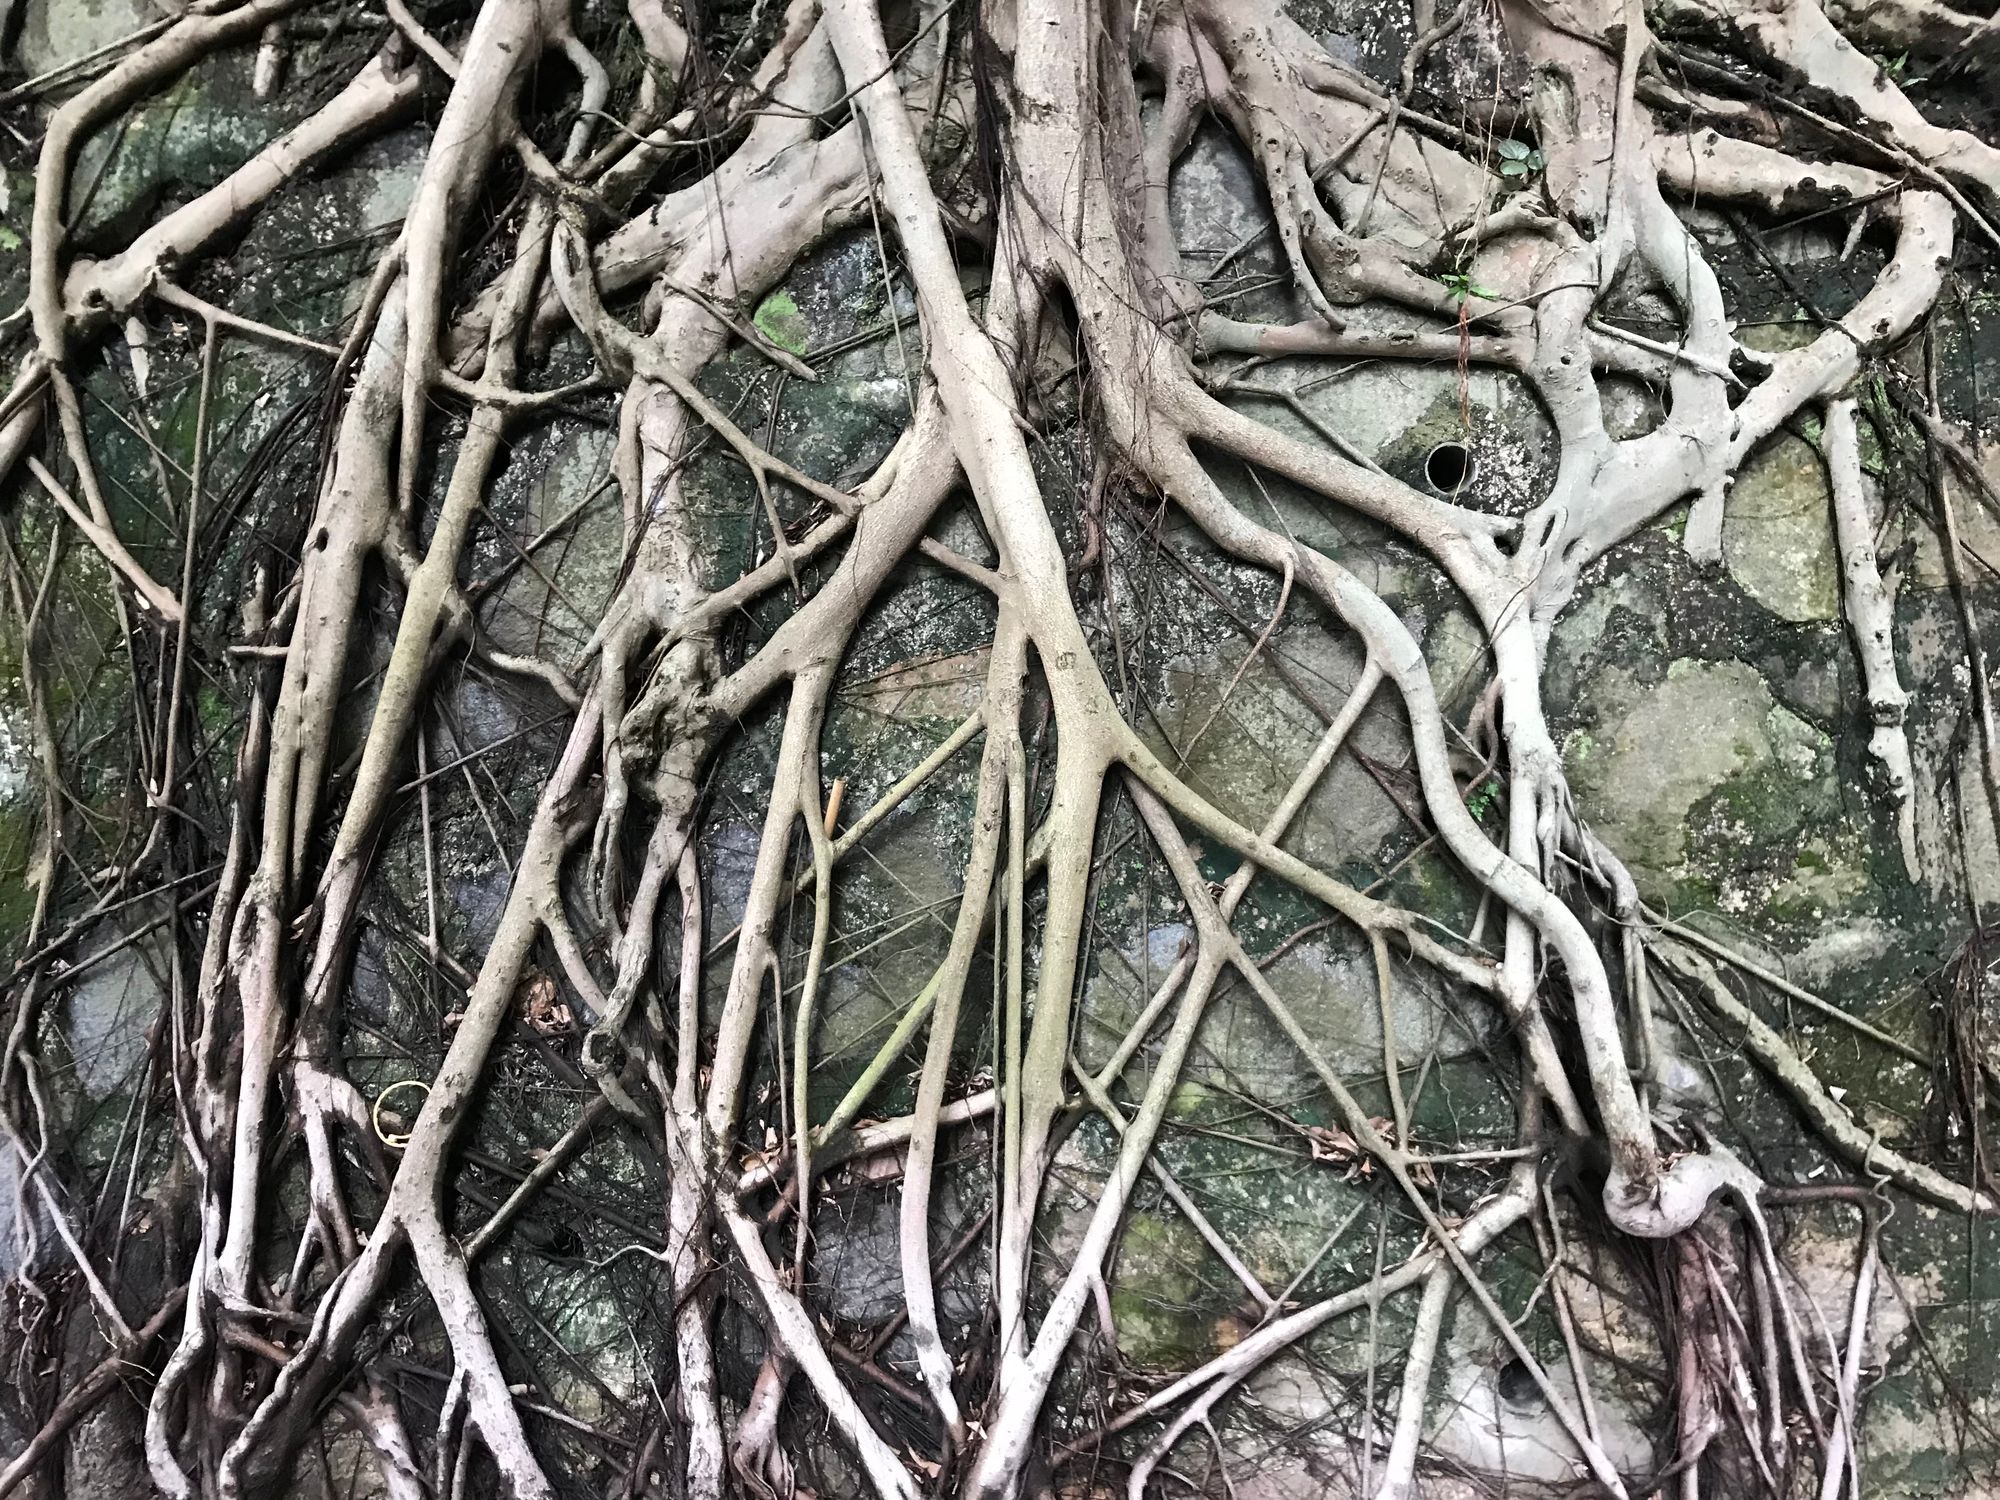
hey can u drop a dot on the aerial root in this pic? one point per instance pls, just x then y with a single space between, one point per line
1833 1122
1367 194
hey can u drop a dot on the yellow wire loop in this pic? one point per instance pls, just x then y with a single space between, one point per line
396 1141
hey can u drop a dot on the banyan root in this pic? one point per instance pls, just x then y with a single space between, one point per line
1068 392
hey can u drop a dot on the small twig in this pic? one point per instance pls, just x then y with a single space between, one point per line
155 596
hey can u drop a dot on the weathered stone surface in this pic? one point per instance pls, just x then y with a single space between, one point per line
1777 532
55 32
107 1013
1662 747
1239 734
1499 1422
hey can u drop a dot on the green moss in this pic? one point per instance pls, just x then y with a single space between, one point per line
779 320
215 710
1692 893
17 847
1754 808
1157 1298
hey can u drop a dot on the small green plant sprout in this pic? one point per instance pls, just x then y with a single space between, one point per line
1482 799
1462 286
1520 160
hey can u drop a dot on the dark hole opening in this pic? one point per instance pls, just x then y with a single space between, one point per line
1448 467
1517 1386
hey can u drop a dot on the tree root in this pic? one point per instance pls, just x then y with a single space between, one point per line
721 175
